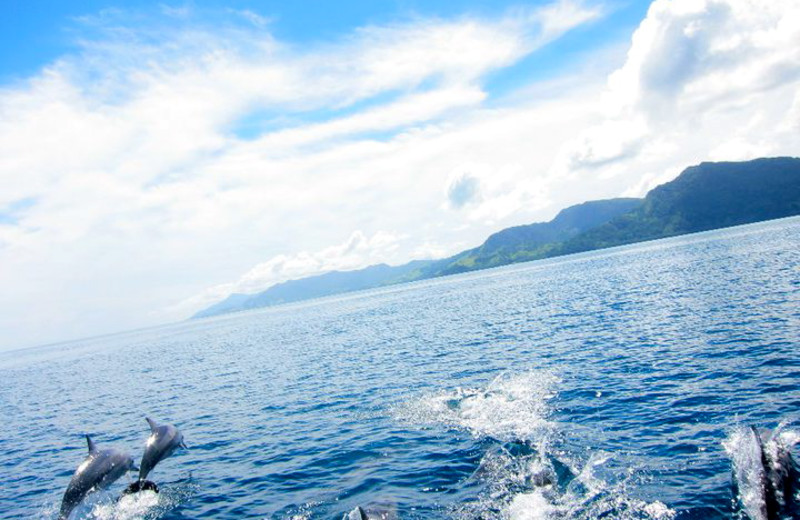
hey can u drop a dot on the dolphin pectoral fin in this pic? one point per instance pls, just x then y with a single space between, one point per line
152 423
134 467
183 445
90 444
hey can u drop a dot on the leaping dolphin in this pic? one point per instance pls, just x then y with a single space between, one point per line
100 469
163 441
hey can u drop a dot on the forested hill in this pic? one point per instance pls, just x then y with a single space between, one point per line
703 197
334 282
523 243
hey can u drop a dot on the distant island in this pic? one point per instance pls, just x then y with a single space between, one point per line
703 197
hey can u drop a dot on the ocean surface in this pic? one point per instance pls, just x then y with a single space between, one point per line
600 385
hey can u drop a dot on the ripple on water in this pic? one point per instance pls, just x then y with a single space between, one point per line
596 386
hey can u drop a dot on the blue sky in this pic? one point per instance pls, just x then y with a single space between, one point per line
156 157
35 33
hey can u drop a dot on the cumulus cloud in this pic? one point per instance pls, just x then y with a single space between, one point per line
708 55
608 142
703 80
356 252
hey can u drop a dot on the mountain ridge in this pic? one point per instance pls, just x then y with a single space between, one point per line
710 195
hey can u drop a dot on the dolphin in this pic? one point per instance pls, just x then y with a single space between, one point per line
100 469
163 441
782 474
749 475
765 474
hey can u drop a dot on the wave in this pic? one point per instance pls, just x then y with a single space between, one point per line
522 483
526 473
511 407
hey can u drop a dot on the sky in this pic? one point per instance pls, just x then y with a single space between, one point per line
156 157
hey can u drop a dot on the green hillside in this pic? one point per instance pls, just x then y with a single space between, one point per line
703 197
533 241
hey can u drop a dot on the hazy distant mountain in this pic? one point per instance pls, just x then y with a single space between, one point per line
234 302
317 286
703 197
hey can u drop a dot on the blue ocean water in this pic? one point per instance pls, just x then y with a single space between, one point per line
600 385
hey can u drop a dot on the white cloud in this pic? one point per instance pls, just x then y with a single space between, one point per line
609 141
556 18
144 193
703 80
254 18
143 190
411 109
708 55
356 252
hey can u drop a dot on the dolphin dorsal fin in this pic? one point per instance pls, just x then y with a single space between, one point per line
152 423
90 443
356 514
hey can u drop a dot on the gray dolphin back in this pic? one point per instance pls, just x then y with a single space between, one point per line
163 441
99 470
782 477
765 476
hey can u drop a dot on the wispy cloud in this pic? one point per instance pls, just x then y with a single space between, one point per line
143 191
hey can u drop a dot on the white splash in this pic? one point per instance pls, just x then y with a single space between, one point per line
530 506
136 506
511 407
520 474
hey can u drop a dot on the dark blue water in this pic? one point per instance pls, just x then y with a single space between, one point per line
597 386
